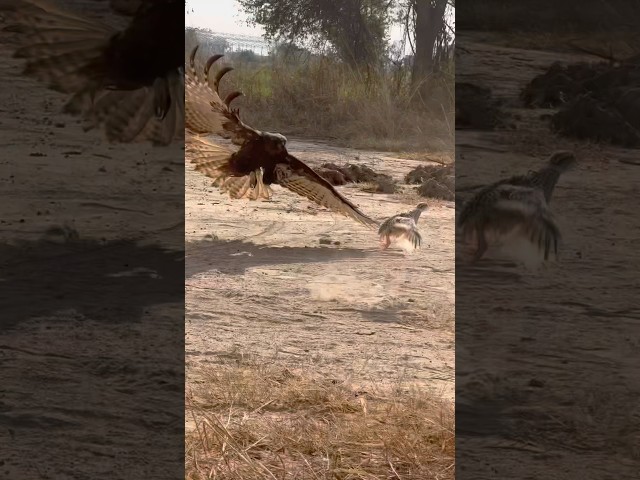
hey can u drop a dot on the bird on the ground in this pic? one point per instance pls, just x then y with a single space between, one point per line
520 203
403 226
262 158
130 81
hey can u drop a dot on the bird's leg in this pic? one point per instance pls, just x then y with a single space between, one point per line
385 241
482 245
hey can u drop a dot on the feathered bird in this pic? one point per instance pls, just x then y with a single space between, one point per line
517 203
130 81
261 160
402 226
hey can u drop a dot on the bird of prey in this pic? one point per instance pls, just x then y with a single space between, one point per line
517 204
402 226
262 158
129 81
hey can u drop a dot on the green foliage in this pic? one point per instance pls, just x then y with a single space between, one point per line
245 56
355 29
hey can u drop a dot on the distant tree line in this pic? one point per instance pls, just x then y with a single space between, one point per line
356 30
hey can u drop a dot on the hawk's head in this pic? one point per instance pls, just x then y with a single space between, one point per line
275 143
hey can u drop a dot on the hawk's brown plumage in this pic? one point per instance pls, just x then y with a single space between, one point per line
128 81
262 158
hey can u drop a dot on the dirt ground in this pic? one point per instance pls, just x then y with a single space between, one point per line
289 282
86 362
546 360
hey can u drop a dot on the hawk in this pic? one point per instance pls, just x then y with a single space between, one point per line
262 158
129 81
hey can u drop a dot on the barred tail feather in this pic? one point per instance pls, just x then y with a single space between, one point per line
249 187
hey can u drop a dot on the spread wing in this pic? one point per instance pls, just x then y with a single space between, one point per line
504 208
527 209
301 179
413 236
401 226
385 227
213 161
61 49
67 52
154 113
205 111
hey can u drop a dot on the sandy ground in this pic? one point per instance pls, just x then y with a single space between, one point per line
290 282
546 360
91 343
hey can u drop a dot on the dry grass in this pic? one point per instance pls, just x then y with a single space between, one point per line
322 98
317 96
260 422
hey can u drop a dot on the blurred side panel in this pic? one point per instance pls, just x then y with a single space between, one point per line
547 351
92 240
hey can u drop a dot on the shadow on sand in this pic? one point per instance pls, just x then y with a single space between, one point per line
110 281
235 256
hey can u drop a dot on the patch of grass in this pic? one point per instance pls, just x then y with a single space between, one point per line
431 188
264 422
323 98
441 173
435 181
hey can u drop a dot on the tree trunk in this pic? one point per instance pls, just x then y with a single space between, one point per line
429 22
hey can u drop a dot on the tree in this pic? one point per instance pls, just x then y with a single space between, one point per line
430 38
217 45
356 29
290 53
245 56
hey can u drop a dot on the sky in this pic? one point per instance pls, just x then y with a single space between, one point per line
225 16
222 16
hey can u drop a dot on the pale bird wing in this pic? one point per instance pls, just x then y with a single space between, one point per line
301 179
526 209
404 223
414 237
401 227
